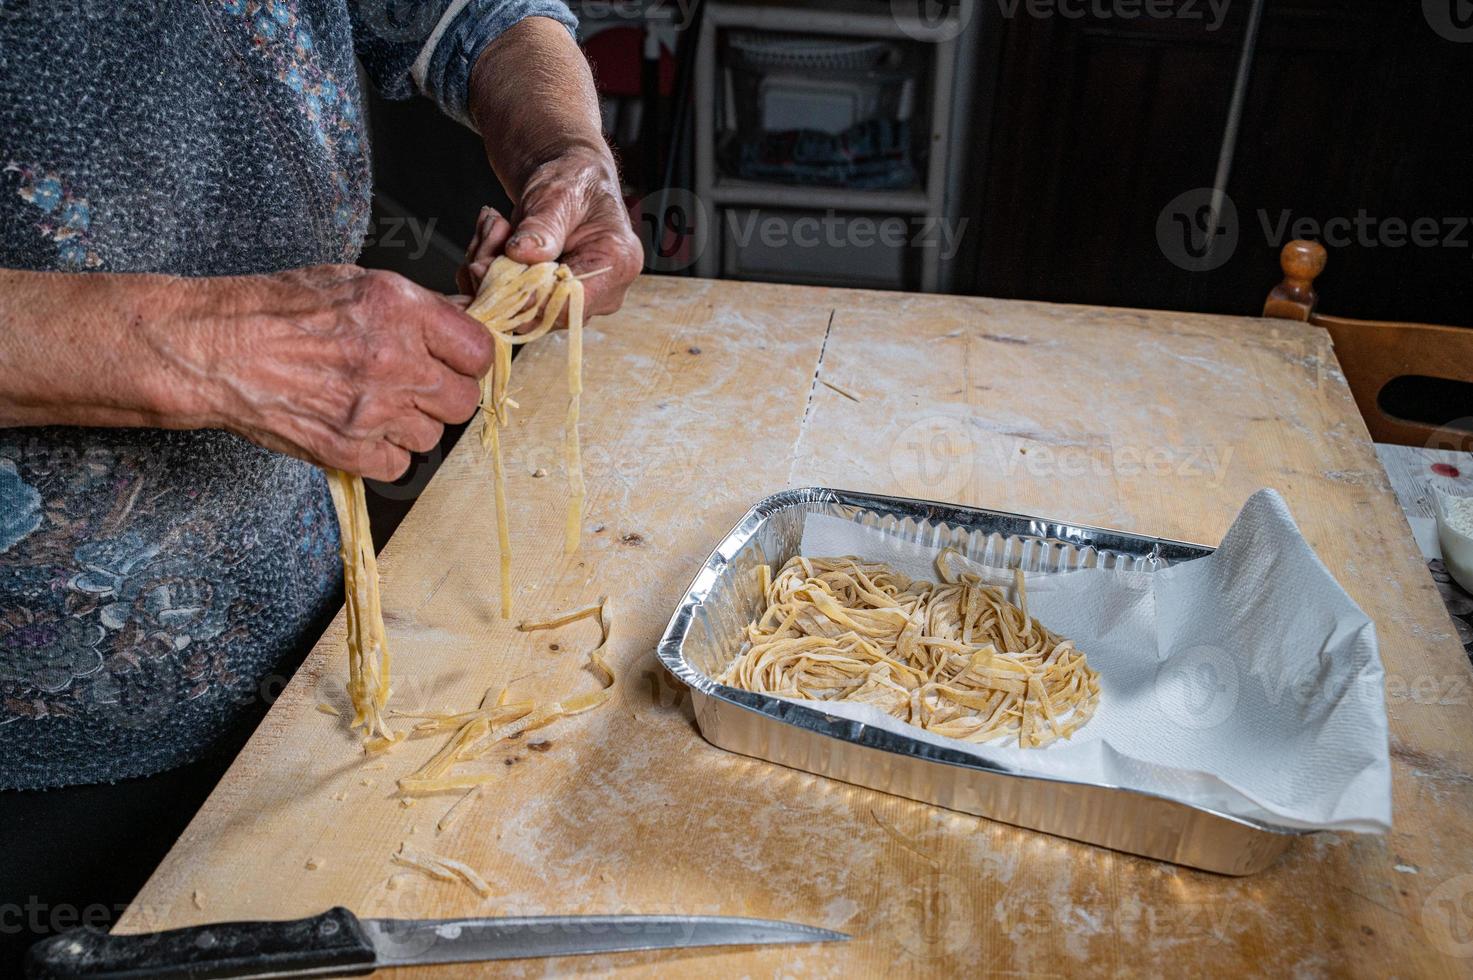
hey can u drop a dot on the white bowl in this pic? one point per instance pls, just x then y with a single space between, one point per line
1457 547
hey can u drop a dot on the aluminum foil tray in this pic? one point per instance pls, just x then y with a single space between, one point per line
704 636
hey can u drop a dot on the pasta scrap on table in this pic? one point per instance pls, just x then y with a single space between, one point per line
459 806
496 720
955 658
441 868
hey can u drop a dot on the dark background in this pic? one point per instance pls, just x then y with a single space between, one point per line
1352 106
1084 129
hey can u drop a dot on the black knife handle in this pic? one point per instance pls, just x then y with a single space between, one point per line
330 944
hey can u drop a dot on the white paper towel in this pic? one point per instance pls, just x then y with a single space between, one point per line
1246 681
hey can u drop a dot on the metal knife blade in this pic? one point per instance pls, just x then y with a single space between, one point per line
405 942
338 943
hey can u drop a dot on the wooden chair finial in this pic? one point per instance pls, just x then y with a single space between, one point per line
1374 353
1294 298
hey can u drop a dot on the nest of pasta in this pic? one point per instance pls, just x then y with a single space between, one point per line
954 657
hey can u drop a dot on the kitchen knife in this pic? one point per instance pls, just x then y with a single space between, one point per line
338 943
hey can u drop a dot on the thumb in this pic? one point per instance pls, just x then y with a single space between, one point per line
544 219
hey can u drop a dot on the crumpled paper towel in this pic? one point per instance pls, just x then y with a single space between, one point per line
1246 681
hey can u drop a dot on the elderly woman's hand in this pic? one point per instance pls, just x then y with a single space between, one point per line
533 99
571 211
343 366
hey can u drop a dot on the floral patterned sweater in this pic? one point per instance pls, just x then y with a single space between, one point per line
154 583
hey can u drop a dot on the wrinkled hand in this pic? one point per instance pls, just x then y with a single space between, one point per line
343 366
571 210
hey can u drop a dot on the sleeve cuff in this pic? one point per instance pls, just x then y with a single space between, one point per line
442 70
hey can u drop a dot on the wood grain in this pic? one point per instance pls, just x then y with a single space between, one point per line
700 398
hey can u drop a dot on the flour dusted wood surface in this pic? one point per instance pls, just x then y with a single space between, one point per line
701 397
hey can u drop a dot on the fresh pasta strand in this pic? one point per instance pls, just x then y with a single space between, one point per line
572 453
509 298
368 646
955 657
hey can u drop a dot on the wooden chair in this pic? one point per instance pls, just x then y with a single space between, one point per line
1374 353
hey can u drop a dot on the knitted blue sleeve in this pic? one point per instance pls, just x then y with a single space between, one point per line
429 48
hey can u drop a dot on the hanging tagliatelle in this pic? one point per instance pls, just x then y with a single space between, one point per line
955 658
511 296
368 646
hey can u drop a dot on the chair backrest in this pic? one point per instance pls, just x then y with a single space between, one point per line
1374 353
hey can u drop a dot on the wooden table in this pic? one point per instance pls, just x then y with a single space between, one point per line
701 397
